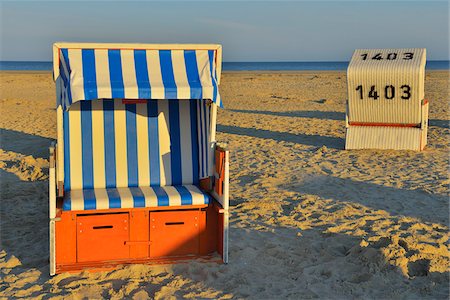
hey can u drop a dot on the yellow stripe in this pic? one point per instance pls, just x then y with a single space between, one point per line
120 128
76 165
151 200
77 200
129 74
98 144
174 196
102 70
180 76
126 197
102 199
204 73
154 74
142 145
76 77
164 142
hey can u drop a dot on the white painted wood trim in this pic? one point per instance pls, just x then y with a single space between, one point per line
52 183
225 236
226 181
60 144
52 247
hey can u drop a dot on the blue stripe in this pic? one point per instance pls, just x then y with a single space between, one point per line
213 74
175 143
67 203
205 137
86 145
115 74
190 59
66 151
206 198
143 82
138 197
65 53
170 87
163 198
153 142
89 199
89 74
110 142
201 146
186 196
132 164
114 198
194 140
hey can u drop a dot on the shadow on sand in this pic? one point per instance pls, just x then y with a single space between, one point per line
324 115
24 143
305 139
412 203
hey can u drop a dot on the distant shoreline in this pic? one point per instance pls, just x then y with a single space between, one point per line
234 66
223 72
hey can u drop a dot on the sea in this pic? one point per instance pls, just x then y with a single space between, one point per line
233 66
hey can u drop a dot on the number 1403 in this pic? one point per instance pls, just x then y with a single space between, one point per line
388 93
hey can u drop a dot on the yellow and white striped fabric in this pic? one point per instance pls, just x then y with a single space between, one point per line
386 86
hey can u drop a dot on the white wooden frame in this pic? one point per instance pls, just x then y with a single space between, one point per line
52 206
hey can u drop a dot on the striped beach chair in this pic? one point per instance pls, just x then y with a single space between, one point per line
136 175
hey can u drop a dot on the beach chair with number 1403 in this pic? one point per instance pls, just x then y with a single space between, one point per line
136 175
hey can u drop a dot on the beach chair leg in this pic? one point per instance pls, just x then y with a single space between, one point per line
225 237
221 194
52 248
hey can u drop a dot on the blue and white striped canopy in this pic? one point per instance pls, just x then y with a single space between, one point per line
90 74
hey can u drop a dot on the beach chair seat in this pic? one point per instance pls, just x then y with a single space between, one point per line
134 197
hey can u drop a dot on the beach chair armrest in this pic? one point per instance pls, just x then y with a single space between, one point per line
52 181
221 174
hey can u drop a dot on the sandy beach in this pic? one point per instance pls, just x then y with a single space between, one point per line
308 219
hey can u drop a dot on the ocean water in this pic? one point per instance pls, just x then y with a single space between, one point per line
233 66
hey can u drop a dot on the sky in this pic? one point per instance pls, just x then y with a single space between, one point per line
248 30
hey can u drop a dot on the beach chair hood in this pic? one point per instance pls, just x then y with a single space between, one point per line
140 72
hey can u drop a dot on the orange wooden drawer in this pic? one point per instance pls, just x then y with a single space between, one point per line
102 237
174 233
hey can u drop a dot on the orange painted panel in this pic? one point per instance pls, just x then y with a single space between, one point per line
66 239
102 237
220 170
220 227
208 233
139 234
174 233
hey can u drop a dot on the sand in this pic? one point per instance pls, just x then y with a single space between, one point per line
308 219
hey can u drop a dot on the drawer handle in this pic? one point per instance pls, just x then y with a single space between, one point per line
174 223
128 243
102 227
